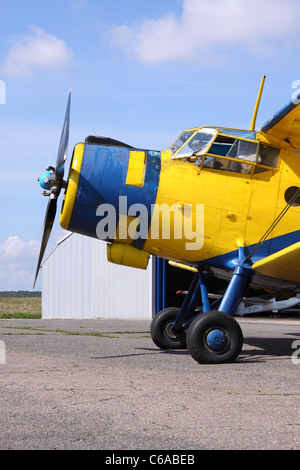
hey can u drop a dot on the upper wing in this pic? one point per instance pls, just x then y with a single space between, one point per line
285 124
282 265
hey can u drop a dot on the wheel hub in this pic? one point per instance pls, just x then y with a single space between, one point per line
169 332
217 339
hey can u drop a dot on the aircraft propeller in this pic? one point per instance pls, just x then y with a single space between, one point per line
52 182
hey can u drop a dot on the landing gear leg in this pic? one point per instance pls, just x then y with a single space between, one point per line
212 336
168 327
215 337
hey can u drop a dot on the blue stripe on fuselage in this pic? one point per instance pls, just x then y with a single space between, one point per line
269 247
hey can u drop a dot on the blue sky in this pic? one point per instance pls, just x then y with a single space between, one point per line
140 72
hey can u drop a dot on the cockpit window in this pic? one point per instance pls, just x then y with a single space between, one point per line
232 150
180 141
244 150
227 165
237 155
267 156
197 144
222 145
238 133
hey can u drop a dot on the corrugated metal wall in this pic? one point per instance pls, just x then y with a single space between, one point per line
79 282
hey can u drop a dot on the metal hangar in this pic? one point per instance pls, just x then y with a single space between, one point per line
79 282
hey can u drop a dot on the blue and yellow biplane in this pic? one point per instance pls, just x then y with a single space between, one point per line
218 200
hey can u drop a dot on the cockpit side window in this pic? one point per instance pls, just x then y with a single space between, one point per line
244 150
266 156
222 145
231 148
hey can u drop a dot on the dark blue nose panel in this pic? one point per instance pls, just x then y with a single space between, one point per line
102 180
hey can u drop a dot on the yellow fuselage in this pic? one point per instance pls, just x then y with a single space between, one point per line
237 207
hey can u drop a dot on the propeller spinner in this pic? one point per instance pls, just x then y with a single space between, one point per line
52 182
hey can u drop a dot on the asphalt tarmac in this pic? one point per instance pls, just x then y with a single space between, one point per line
104 385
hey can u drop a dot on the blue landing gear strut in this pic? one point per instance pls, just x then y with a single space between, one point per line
211 335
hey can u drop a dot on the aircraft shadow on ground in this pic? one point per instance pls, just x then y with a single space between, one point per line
278 347
259 348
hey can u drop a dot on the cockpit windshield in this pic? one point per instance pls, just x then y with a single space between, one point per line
180 141
197 143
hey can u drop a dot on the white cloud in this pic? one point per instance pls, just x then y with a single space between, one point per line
38 50
18 260
209 30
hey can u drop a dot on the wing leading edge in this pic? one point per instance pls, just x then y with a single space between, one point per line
285 124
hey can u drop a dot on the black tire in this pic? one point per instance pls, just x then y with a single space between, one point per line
214 338
160 331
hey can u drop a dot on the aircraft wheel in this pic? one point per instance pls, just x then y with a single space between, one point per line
161 332
214 338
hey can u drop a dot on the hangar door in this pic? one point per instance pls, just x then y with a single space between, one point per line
171 283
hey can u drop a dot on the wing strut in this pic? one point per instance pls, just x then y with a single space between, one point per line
273 225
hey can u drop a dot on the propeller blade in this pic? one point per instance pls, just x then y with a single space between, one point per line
64 140
48 224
